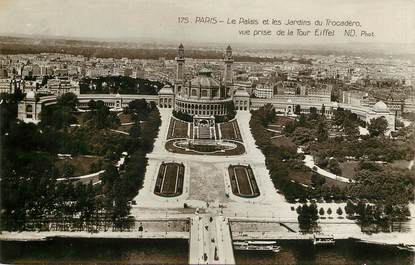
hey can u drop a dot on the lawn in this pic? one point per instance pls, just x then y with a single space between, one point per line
80 117
280 121
81 163
125 128
402 164
243 181
125 118
170 180
348 168
230 131
177 129
300 176
283 141
169 185
304 177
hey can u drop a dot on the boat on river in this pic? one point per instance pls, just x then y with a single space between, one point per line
257 246
321 239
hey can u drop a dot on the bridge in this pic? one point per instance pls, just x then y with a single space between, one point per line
210 240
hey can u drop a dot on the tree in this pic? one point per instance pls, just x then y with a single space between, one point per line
350 129
92 104
350 208
321 161
391 185
302 121
60 115
377 126
323 110
317 180
334 166
313 212
348 121
68 100
297 109
230 107
339 116
140 108
119 84
313 113
96 166
303 135
289 127
135 130
265 114
322 133
367 165
8 109
110 175
57 116
307 216
183 116
329 212
100 116
68 170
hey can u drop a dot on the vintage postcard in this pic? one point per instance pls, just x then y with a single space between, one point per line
207 132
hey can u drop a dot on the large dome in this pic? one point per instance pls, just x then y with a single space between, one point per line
380 106
166 90
204 80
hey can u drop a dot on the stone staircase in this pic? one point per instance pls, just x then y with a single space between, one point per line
204 132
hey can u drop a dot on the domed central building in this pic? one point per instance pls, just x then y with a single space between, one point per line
202 95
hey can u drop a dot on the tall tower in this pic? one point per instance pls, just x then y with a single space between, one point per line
228 78
180 70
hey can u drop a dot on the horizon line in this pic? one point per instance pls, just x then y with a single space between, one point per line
135 40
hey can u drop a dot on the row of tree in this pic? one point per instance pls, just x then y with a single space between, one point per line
307 216
279 170
120 187
119 84
380 216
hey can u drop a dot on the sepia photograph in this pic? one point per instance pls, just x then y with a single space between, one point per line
207 132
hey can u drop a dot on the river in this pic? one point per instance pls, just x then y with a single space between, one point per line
131 251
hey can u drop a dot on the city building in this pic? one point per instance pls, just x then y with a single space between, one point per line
205 89
263 91
6 86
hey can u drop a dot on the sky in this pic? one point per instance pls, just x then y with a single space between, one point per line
392 21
